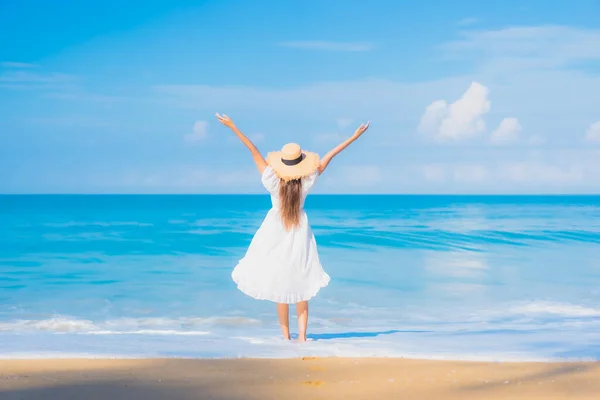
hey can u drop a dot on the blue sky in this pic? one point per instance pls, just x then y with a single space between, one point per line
463 97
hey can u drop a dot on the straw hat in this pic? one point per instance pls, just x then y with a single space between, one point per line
293 163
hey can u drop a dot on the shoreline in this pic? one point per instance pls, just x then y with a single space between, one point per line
106 358
302 378
476 360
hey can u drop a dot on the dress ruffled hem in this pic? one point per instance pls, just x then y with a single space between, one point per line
282 298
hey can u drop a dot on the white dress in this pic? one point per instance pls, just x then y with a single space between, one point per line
281 266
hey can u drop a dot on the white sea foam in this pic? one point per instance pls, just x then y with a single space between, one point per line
466 346
497 334
57 324
167 332
141 326
70 224
555 308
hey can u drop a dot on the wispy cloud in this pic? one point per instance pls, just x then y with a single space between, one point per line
80 94
455 173
532 93
353 176
52 85
471 173
468 21
328 99
165 179
27 77
13 64
333 137
71 121
328 45
536 140
541 172
193 179
548 170
527 47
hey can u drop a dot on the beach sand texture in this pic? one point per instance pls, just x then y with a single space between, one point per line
303 378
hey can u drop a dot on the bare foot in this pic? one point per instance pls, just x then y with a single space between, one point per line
301 339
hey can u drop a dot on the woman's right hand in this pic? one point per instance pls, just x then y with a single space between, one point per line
225 120
360 130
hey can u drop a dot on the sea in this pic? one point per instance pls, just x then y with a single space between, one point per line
494 278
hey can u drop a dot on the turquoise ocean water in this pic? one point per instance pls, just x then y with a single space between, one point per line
462 277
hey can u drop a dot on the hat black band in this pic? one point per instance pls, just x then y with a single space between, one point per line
294 161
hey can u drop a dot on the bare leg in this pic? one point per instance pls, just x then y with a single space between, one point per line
283 311
302 312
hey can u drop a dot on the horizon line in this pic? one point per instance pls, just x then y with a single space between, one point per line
312 194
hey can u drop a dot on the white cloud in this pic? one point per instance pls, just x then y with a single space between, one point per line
460 120
328 45
198 132
507 132
517 83
593 133
433 116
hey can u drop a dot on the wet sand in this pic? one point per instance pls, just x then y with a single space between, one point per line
302 378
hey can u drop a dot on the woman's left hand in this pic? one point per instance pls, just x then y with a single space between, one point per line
361 129
225 120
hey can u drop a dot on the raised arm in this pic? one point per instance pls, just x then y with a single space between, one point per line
259 160
336 150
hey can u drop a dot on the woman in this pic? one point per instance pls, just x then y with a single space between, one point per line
282 264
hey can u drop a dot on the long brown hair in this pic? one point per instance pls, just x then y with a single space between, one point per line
290 196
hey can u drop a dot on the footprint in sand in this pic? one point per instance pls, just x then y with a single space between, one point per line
309 358
313 383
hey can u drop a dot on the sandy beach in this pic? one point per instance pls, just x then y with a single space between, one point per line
302 378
